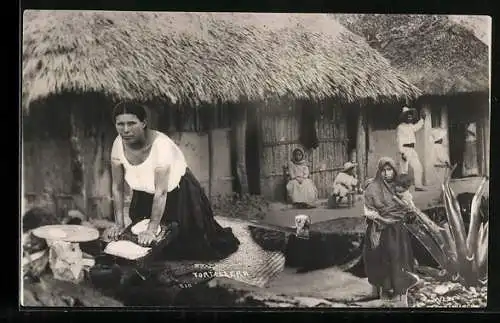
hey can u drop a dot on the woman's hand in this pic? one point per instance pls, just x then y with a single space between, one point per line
410 217
113 233
146 238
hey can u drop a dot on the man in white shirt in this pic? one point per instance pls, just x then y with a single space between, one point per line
406 140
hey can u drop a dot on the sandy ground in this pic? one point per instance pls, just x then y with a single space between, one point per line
284 214
329 287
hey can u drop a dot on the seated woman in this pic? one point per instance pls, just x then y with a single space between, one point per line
387 252
300 187
345 182
164 191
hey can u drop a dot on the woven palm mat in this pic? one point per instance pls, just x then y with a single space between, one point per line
250 264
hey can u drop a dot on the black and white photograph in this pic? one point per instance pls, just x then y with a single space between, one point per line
254 160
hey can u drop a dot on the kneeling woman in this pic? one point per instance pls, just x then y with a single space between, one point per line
164 190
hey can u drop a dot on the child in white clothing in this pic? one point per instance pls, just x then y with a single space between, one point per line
345 183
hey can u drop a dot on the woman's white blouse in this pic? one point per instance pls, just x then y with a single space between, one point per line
164 154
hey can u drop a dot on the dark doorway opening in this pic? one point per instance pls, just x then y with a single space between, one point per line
253 151
352 115
463 140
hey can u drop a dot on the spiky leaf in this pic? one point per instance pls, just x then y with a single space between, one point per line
482 249
475 221
450 240
464 257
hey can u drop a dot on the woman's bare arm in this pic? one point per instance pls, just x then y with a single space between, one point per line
118 185
159 198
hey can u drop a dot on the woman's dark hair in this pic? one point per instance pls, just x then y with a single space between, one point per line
130 108
296 151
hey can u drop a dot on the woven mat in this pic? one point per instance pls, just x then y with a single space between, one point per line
250 264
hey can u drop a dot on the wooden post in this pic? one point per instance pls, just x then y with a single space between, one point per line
361 145
426 160
444 125
211 122
78 185
483 126
210 162
101 184
174 129
369 145
239 127
486 121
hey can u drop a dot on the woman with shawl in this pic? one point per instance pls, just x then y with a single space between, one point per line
300 187
388 257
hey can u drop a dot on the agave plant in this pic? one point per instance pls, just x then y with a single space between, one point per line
462 256
470 249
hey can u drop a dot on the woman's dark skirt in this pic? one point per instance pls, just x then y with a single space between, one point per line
387 265
200 236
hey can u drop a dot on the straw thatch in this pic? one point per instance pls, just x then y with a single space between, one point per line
479 25
202 57
437 54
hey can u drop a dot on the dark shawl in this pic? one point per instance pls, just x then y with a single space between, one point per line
379 195
387 250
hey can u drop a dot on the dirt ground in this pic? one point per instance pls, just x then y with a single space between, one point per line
327 287
282 214
330 287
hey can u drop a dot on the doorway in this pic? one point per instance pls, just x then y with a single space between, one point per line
463 140
352 115
253 151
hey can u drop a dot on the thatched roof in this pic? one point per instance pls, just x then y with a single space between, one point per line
479 25
202 57
437 54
